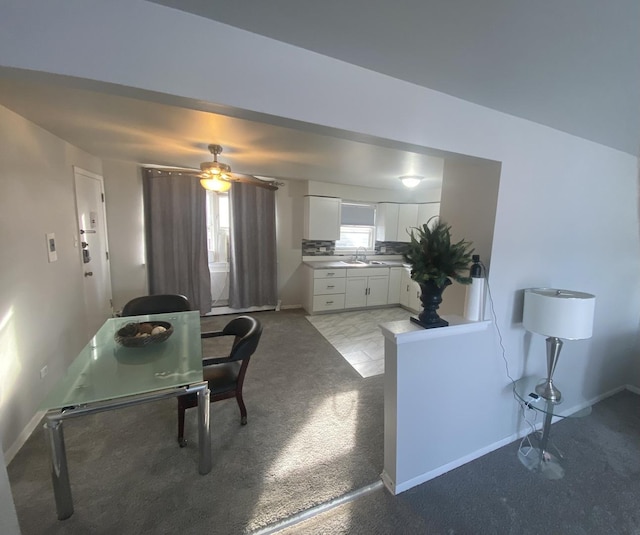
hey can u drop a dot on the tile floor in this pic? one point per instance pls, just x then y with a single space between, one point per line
357 337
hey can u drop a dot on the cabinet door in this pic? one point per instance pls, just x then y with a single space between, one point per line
407 219
355 295
322 218
405 288
427 211
395 280
387 222
414 296
378 288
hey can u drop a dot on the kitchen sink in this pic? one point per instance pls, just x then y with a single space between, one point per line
362 263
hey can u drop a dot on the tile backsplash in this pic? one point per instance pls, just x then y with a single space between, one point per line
328 247
390 247
318 248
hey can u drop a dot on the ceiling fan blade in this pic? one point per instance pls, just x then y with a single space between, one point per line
176 170
250 179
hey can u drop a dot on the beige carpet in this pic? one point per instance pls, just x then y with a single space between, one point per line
314 433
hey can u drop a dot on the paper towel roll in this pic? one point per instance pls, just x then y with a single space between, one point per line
474 300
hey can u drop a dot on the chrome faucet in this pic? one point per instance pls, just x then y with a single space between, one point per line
364 253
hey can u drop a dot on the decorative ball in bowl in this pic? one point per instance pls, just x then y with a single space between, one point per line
144 333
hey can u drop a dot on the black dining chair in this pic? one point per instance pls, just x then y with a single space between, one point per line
225 375
156 304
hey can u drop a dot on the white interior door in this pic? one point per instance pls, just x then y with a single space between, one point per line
93 245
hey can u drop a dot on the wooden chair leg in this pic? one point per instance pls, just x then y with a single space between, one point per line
243 409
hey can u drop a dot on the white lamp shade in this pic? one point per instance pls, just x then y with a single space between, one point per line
559 313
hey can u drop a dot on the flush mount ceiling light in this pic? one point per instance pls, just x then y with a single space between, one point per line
411 181
215 176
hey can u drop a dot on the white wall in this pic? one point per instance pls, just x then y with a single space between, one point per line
468 204
8 517
358 193
125 217
566 212
41 304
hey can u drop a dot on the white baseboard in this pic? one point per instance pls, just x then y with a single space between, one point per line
388 482
22 437
633 389
443 469
288 307
397 488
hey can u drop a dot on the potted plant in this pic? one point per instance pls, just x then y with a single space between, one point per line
434 262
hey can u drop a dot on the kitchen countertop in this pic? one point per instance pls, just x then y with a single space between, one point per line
335 264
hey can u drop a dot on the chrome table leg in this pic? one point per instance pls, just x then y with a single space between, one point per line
59 469
546 430
204 435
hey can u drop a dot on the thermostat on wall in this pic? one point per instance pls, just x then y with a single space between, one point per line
51 247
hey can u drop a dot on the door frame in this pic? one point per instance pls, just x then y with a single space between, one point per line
88 174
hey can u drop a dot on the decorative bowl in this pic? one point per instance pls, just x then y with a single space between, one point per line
142 334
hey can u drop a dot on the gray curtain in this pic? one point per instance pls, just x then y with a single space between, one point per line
176 229
253 279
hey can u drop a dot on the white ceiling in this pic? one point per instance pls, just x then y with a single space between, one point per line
573 65
151 129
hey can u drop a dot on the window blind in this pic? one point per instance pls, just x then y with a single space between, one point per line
358 214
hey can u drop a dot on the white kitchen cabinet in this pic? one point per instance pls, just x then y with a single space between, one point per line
378 289
325 303
321 218
366 287
410 292
407 220
426 211
395 280
325 289
394 221
356 292
387 221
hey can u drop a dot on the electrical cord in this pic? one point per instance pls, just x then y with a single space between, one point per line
523 405
495 323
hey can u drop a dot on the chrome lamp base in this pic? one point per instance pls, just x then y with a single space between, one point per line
547 389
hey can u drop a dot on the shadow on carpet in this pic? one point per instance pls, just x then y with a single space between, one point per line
315 432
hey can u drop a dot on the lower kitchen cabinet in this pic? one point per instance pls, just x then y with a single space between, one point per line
395 280
324 289
324 303
330 290
409 292
366 290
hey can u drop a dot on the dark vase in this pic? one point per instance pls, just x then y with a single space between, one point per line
431 298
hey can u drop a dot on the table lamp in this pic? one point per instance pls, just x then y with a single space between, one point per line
557 314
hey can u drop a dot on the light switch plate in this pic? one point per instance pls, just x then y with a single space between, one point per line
51 247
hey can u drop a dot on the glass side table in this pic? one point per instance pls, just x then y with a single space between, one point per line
539 458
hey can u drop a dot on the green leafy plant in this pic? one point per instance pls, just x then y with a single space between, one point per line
433 257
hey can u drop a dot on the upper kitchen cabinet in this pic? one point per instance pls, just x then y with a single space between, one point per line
394 221
407 219
321 218
387 221
426 211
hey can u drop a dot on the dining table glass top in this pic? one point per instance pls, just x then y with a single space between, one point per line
105 370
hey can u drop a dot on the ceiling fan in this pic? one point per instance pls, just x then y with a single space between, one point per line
217 176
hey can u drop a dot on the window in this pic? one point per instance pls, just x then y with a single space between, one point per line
217 226
357 226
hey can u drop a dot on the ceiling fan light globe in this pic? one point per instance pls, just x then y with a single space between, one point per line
215 184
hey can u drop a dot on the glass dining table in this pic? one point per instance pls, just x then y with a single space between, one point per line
106 376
